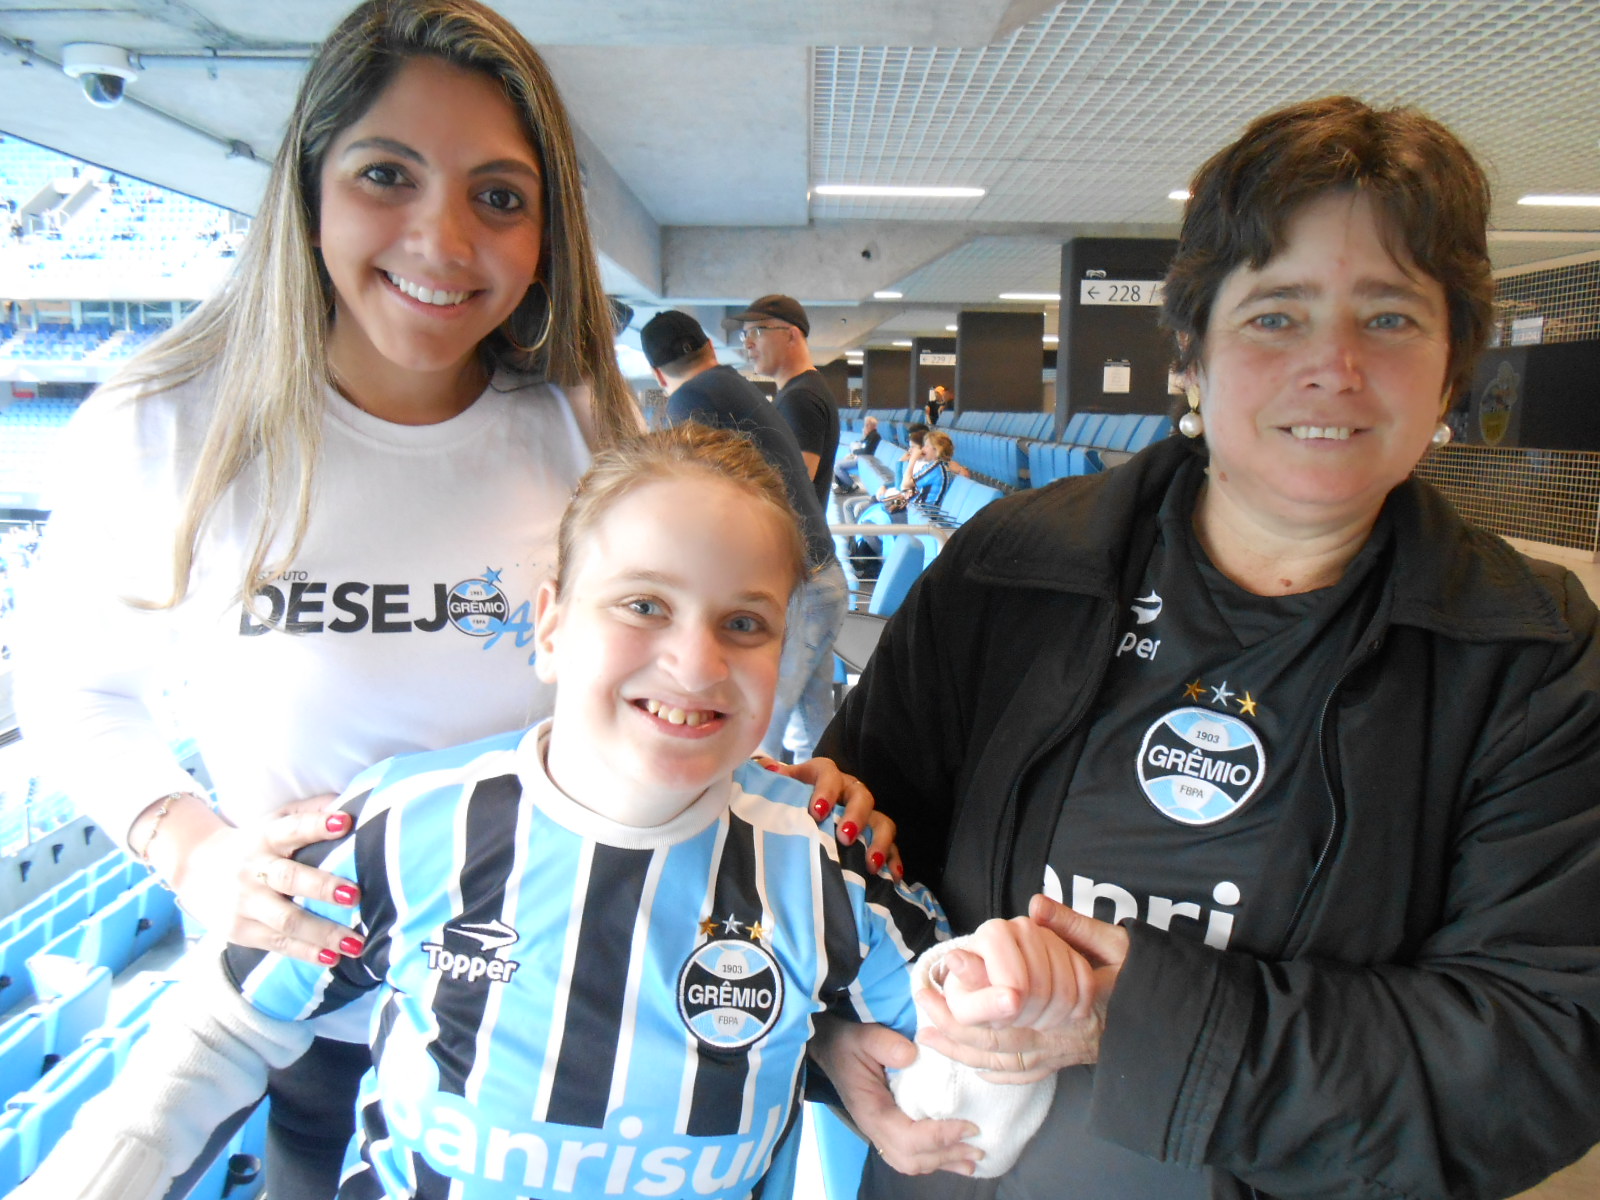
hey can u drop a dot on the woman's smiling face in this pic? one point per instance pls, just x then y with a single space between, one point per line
430 224
1323 372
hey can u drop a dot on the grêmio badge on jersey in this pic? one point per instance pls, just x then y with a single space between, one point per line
730 991
1198 766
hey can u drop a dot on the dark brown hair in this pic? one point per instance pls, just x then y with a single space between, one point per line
1431 196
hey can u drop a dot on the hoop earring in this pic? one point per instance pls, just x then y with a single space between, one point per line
1192 424
1442 434
544 329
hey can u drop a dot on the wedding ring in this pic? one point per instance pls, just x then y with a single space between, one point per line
1021 1065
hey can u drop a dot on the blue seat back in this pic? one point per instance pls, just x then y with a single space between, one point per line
21 1053
902 563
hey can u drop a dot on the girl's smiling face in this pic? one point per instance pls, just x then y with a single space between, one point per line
665 646
430 227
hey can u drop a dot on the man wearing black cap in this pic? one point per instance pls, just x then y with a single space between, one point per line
698 389
774 329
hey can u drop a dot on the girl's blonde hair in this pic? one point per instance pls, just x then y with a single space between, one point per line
265 333
942 445
683 450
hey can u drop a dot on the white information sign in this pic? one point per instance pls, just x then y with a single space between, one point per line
1147 292
1527 331
1117 377
930 358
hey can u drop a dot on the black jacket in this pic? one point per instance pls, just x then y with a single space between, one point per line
1426 1021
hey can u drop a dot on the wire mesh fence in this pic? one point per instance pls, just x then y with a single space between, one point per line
1549 496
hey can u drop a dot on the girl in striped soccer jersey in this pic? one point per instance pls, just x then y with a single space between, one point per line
598 944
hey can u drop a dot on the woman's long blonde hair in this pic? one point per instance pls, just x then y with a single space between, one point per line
264 335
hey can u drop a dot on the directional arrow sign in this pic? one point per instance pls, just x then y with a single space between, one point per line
1136 292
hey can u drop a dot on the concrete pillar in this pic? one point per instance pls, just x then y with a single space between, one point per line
999 361
932 365
837 373
885 378
1113 355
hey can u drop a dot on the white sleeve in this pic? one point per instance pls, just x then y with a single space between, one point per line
88 662
1007 1114
204 1057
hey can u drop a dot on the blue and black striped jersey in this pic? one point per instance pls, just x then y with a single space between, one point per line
572 1007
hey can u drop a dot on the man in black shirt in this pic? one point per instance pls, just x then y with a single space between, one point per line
774 329
698 389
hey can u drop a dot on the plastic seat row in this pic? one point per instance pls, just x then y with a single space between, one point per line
1122 432
1034 426
91 1053
1050 461
56 918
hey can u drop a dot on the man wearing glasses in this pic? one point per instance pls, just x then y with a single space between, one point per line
774 329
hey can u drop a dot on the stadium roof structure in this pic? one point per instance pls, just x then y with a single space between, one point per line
708 128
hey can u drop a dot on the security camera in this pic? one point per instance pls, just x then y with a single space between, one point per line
104 70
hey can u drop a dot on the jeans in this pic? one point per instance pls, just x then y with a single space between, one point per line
804 704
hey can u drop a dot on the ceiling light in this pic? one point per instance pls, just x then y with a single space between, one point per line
1051 338
900 343
903 193
1047 297
887 295
1562 201
1180 194
951 328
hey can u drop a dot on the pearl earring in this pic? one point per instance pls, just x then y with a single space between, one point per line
1442 434
1192 424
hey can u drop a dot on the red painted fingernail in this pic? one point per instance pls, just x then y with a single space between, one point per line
899 871
848 832
345 894
327 957
876 859
770 765
821 808
338 822
352 946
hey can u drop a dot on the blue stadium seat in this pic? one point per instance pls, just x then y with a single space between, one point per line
10 1160
21 1053
45 1112
158 914
902 563
16 985
108 938
1089 431
73 999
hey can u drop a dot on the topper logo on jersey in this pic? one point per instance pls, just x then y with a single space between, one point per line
730 993
1145 610
1199 766
470 965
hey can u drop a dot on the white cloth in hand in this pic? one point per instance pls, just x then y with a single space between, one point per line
1007 1114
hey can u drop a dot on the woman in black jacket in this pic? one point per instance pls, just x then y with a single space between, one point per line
1301 764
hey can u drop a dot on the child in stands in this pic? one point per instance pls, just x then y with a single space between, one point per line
598 944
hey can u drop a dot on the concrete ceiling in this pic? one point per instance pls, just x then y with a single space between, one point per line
705 123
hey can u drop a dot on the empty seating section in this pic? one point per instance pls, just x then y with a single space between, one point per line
1017 449
90 342
111 221
66 1034
28 433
